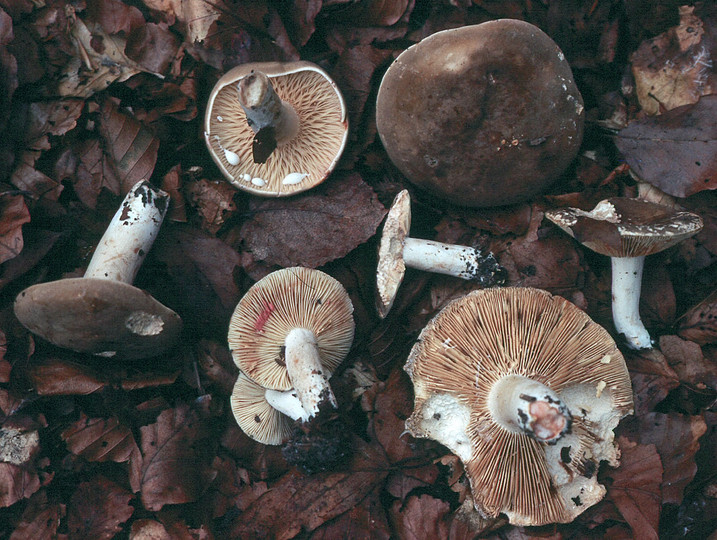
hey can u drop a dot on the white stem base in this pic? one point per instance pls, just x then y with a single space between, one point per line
130 234
306 372
449 259
287 403
521 404
626 286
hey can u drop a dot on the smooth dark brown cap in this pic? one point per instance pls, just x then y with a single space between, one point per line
481 115
626 227
98 316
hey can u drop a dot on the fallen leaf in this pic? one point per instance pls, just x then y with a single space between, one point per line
686 358
400 484
16 483
675 151
152 46
699 323
131 146
36 244
56 377
97 508
196 16
51 118
337 216
40 519
100 439
13 215
635 487
175 468
214 202
420 517
675 68
37 185
652 378
365 520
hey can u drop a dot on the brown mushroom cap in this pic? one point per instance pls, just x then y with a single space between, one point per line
313 152
98 316
259 420
481 115
487 335
391 268
276 304
625 227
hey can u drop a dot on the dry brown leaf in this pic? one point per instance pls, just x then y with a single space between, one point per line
674 151
313 229
152 46
16 483
175 468
89 170
40 519
13 215
676 67
699 323
37 243
365 520
652 378
51 118
37 184
56 377
214 202
131 147
420 517
401 483
197 16
635 489
686 358
100 439
96 510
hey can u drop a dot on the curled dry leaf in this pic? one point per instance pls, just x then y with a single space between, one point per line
676 67
699 323
13 215
16 483
175 468
97 508
51 118
635 487
40 519
674 151
100 439
337 216
420 517
686 358
131 147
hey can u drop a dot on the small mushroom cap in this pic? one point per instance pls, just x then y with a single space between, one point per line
297 165
259 420
391 268
98 316
625 227
490 334
276 304
481 115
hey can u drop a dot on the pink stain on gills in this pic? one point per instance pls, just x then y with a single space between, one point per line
263 317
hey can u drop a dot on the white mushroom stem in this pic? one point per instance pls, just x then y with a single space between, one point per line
459 261
626 286
264 108
287 403
522 404
130 234
306 372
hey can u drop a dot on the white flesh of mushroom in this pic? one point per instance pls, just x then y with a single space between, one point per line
306 372
626 286
130 235
287 403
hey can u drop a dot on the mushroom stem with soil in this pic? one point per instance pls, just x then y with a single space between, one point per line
264 108
626 288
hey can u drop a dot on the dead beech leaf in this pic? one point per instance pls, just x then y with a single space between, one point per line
313 229
686 358
131 146
57 377
675 151
37 184
51 118
152 46
365 520
635 489
97 508
197 16
699 323
174 469
13 215
100 439
40 519
421 517
310 501
676 67
652 378
16 483
214 202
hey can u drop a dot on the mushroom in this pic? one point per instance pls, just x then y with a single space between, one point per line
481 115
265 415
525 389
398 251
627 230
276 129
102 313
290 331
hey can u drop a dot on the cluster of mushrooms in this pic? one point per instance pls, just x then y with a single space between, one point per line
521 385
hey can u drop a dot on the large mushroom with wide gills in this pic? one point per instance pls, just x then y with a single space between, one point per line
525 389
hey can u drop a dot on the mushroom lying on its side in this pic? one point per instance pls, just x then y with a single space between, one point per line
526 389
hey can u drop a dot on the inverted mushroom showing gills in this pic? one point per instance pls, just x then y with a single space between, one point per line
102 313
627 230
397 251
525 389
481 115
276 129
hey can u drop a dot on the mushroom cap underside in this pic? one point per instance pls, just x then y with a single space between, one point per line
626 227
481 115
280 302
489 334
296 165
255 416
391 267
98 316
